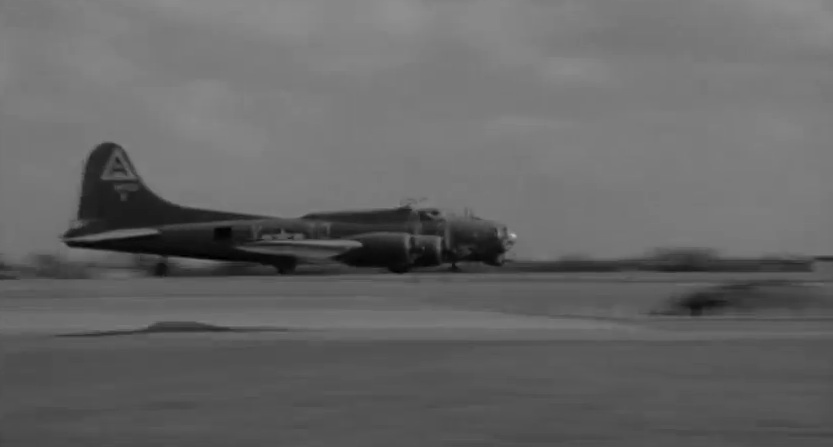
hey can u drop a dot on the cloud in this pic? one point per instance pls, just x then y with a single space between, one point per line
299 21
206 111
575 41
807 22
6 65
718 30
520 35
526 123
347 37
368 36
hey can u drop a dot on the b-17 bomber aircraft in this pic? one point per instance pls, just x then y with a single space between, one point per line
118 212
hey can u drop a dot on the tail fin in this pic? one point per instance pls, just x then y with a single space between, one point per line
112 190
114 195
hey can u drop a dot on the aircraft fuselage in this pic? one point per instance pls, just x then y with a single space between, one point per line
118 212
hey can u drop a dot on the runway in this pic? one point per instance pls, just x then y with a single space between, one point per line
387 305
404 361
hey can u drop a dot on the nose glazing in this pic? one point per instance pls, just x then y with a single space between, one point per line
507 237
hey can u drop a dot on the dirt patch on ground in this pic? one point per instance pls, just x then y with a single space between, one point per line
174 327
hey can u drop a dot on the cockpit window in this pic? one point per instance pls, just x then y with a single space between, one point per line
430 214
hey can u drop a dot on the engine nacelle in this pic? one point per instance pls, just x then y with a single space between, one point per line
430 251
396 251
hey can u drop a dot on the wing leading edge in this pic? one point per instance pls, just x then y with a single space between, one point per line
302 249
115 235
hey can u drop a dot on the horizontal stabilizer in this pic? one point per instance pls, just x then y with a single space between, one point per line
115 235
304 249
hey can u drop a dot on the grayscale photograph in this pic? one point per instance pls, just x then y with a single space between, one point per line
420 223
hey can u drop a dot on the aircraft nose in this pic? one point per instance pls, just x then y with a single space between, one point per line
507 237
511 238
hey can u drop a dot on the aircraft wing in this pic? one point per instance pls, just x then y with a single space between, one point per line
115 235
303 249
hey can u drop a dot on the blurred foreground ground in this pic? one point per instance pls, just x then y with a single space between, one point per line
413 361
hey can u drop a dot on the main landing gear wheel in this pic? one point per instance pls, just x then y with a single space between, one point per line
160 269
399 269
497 261
455 268
286 267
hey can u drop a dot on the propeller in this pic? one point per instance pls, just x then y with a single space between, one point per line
447 233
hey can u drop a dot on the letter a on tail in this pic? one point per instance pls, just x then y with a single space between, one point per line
118 168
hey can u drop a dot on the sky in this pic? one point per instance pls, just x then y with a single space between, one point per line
596 127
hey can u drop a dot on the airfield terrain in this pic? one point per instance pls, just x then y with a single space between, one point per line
412 360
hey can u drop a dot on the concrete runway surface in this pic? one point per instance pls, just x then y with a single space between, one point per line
404 361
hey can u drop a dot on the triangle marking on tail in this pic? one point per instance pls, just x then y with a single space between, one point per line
118 168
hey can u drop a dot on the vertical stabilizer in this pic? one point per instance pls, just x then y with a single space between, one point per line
113 196
113 191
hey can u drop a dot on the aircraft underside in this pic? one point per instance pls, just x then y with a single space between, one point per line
396 252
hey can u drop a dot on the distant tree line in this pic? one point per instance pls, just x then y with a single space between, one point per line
680 259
